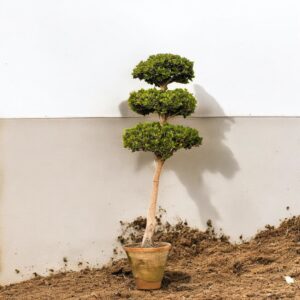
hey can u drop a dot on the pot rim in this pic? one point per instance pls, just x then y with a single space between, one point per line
164 246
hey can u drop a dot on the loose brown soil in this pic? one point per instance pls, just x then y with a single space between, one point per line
202 265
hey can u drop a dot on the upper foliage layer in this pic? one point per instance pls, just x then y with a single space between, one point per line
164 103
161 69
162 140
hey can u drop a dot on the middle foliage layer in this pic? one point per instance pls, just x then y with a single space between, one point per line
165 103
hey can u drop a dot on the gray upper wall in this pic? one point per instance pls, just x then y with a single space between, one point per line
66 184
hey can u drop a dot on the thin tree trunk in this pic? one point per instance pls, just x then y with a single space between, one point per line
151 220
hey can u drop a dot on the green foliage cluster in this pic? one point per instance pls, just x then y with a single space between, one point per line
164 103
162 69
161 139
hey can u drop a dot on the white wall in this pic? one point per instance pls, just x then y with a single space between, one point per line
74 58
65 184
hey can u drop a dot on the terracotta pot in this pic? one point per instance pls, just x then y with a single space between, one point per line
148 264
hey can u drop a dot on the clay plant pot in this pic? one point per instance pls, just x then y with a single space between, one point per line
148 264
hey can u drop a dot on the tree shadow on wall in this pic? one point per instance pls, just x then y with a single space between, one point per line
214 156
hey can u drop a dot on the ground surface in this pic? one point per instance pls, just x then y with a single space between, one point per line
201 266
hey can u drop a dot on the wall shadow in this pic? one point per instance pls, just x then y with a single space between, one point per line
214 156
126 111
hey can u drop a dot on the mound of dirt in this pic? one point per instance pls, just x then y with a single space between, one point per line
202 265
186 241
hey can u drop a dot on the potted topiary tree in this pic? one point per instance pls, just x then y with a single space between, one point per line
148 259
